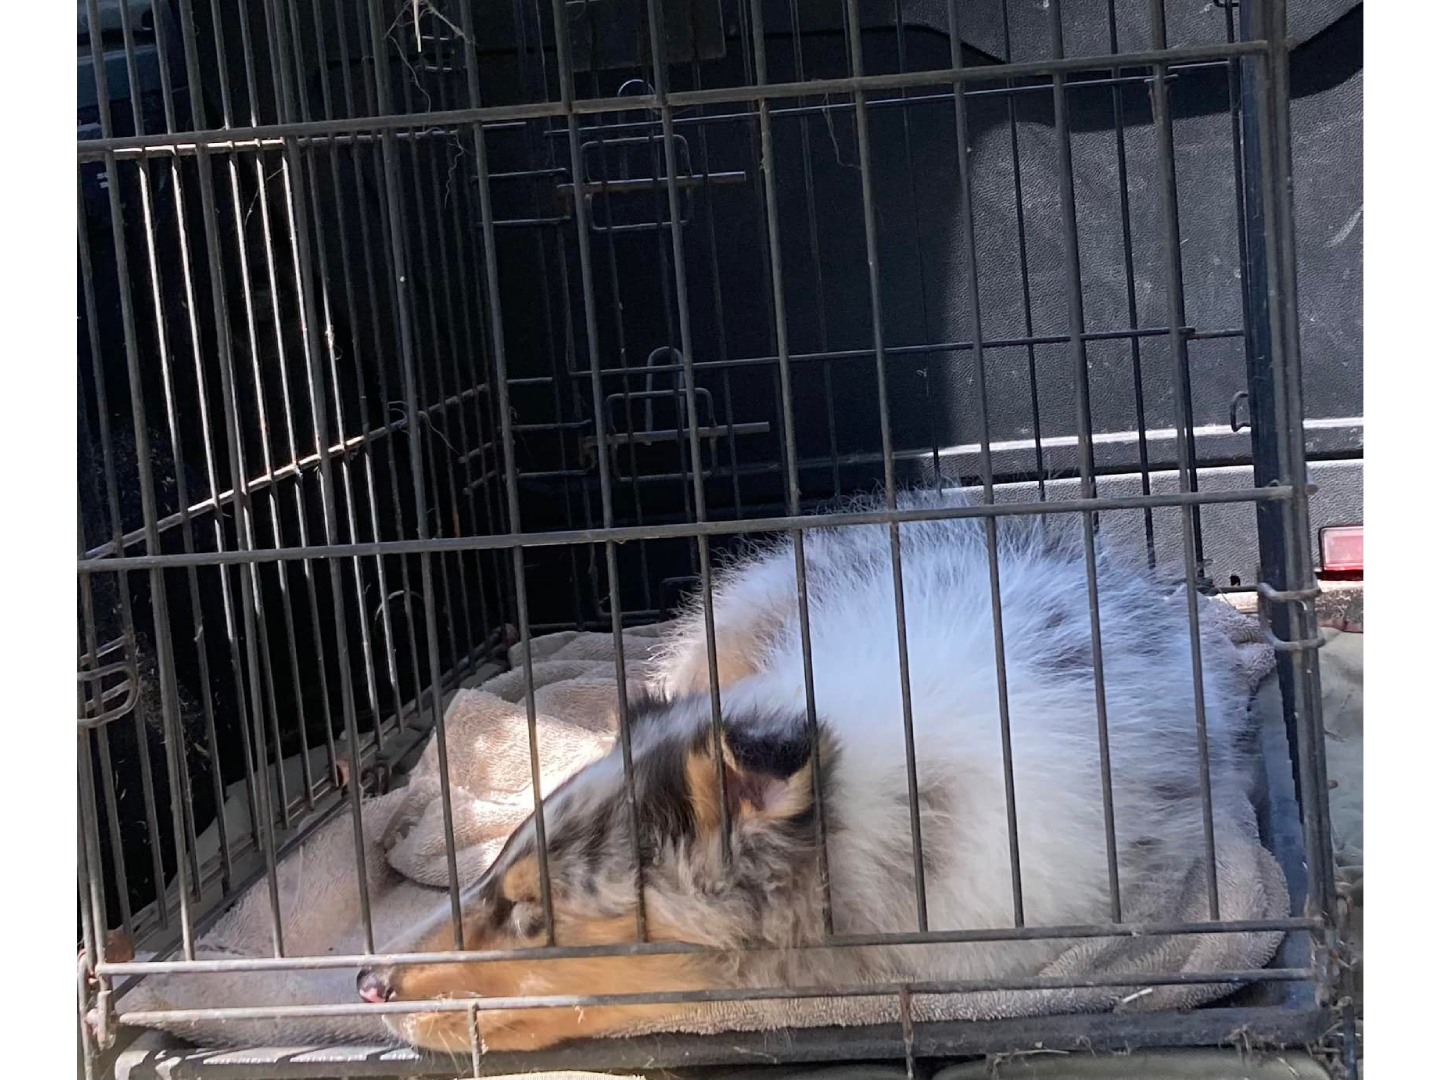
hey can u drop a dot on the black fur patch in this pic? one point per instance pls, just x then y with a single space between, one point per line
500 910
1175 791
593 848
775 744
644 707
1072 659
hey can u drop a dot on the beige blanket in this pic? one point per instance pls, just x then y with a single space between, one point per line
575 703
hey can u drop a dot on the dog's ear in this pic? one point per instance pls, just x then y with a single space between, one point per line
767 766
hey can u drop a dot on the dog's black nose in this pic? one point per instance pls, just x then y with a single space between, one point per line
374 986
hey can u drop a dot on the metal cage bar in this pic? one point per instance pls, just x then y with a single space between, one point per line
1075 309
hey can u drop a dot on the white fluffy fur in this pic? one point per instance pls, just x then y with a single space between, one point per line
956 718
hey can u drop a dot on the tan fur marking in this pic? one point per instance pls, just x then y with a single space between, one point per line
522 881
794 798
530 1029
734 660
703 787
784 798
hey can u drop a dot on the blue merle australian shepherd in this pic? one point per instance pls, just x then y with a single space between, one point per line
761 910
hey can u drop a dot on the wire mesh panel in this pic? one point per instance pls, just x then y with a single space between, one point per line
417 330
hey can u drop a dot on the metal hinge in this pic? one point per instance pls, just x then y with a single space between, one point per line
109 687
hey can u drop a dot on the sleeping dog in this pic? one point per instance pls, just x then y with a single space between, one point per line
728 823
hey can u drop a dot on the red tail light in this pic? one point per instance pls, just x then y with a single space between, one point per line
1342 549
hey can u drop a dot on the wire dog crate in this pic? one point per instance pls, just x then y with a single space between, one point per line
413 330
